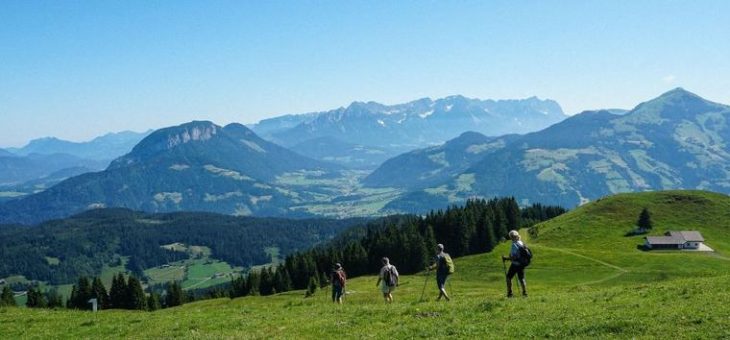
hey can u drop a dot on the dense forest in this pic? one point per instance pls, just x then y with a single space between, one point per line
61 251
408 240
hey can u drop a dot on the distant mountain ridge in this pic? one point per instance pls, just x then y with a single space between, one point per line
403 127
430 166
676 141
15 169
106 147
197 166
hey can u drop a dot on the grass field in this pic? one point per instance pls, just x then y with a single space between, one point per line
587 281
199 271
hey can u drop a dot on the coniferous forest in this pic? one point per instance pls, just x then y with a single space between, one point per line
408 240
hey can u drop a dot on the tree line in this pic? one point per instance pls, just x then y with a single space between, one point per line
408 240
61 251
124 293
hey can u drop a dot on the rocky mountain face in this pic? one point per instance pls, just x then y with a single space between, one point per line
198 166
676 141
400 128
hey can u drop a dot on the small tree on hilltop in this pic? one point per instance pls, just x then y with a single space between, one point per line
644 221
6 298
312 287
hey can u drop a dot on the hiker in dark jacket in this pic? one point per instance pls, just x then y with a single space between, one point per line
442 270
338 279
517 267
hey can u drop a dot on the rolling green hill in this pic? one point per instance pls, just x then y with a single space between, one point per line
587 280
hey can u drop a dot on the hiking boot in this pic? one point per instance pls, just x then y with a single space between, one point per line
509 295
524 294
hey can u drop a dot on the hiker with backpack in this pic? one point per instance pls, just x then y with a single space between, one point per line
520 255
338 279
444 267
387 280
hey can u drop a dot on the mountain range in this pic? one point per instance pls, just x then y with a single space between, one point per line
678 140
103 148
197 166
675 141
42 168
383 131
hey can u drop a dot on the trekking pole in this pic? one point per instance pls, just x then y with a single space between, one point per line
423 291
505 273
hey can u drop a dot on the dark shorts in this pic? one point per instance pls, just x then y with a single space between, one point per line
441 280
336 292
516 269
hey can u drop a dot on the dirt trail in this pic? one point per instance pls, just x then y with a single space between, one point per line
620 270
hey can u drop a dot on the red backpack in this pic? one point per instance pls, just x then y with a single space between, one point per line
339 276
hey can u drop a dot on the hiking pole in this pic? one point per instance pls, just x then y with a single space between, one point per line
423 291
505 273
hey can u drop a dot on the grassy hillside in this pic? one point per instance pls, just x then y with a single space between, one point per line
587 280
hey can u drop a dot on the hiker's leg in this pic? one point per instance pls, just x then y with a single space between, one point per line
441 279
510 274
521 279
443 288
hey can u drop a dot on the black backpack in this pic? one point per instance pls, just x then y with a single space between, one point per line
525 255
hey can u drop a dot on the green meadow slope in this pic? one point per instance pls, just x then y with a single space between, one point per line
587 280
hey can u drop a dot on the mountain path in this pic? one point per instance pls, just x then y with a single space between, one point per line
620 270
586 257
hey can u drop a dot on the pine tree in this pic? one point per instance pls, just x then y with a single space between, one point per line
238 287
312 287
135 294
118 292
266 283
98 292
55 300
80 294
153 302
282 281
36 299
253 282
644 221
174 295
6 298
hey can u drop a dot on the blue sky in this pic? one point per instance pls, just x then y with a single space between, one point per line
78 69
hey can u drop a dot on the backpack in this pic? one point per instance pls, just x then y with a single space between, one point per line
449 263
525 255
390 276
338 276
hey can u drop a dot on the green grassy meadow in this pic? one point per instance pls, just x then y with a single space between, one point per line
587 280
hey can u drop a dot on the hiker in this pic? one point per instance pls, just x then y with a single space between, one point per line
338 279
389 279
444 267
518 264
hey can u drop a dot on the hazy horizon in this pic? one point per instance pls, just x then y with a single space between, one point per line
80 70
